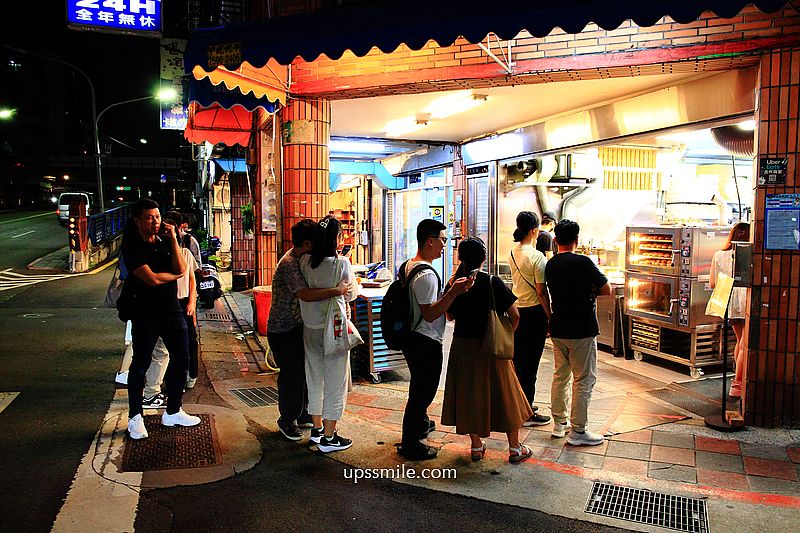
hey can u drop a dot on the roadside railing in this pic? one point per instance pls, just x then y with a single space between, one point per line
106 226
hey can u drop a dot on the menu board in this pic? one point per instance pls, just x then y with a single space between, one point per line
782 222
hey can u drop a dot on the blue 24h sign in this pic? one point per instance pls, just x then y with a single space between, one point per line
133 17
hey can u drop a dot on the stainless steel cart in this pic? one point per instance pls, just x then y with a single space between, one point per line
367 318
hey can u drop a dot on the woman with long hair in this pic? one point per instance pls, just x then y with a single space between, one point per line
482 394
722 262
527 274
326 374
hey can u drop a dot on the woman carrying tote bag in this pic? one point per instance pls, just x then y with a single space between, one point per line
327 372
482 393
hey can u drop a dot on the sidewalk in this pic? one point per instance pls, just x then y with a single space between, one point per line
656 440
748 481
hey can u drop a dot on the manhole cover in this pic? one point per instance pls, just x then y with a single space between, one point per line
648 507
257 396
37 315
172 447
217 316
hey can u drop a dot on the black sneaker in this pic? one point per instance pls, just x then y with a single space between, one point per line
305 421
159 401
290 431
417 451
333 444
317 434
536 420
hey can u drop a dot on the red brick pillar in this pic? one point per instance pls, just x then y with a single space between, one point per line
772 394
305 134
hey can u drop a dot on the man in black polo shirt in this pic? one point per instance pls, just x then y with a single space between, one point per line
574 282
154 263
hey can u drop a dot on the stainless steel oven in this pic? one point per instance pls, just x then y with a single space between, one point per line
673 250
679 302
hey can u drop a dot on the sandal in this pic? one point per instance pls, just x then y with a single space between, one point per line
477 453
516 455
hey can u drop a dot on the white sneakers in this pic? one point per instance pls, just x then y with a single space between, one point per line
559 430
121 378
179 419
136 428
587 438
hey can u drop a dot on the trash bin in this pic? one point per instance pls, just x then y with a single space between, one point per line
262 295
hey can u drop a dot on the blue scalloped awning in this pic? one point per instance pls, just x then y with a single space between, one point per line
206 94
388 24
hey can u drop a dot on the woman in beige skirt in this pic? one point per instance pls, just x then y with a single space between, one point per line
482 394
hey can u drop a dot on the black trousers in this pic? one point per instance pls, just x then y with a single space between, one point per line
145 332
424 358
191 332
291 359
528 346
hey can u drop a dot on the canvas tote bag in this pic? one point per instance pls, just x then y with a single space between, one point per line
340 335
498 339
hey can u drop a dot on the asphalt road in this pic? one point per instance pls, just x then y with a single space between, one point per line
59 350
293 489
28 235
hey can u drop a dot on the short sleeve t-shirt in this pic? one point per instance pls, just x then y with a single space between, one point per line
425 290
573 281
188 276
471 309
328 274
527 269
284 310
157 300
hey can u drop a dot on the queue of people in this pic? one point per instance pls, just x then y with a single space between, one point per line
553 297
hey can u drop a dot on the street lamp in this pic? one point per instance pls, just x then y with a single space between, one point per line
164 95
6 114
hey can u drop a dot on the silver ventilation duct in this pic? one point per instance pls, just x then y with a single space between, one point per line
735 140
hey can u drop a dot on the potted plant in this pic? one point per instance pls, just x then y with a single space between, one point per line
248 219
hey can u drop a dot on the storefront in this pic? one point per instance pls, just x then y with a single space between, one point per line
639 176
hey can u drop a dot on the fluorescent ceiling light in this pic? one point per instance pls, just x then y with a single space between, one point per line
356 147
403 126
454 103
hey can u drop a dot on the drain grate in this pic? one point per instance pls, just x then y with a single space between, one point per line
648 507
172 447
218 316
257 396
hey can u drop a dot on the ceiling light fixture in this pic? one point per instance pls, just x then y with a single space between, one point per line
747 125
455 103
403 126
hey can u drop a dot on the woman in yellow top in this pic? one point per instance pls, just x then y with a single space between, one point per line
527 273
722 262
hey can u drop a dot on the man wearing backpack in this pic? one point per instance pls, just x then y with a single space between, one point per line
422 348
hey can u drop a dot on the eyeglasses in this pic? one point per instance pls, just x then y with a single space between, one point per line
443 239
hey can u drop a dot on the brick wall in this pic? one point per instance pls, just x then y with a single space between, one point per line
711 43
772 395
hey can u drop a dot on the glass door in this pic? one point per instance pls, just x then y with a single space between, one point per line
654 297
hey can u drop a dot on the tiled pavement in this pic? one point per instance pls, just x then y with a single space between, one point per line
644 453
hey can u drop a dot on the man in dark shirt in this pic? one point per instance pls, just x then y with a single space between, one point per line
285 332
154 262
545 242
574 282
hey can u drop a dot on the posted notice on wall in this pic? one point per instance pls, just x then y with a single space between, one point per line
782 222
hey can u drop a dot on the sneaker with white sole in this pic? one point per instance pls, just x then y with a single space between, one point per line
560 430
159 401
190 382
536 420
136 428
121 378
334 443
317 434
179 419
587 438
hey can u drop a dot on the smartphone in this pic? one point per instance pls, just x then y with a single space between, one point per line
346 249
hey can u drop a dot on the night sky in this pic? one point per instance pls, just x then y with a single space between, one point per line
121 67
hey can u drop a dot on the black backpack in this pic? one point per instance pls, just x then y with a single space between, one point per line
396 307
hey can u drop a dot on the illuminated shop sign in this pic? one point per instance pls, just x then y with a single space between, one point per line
135 17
